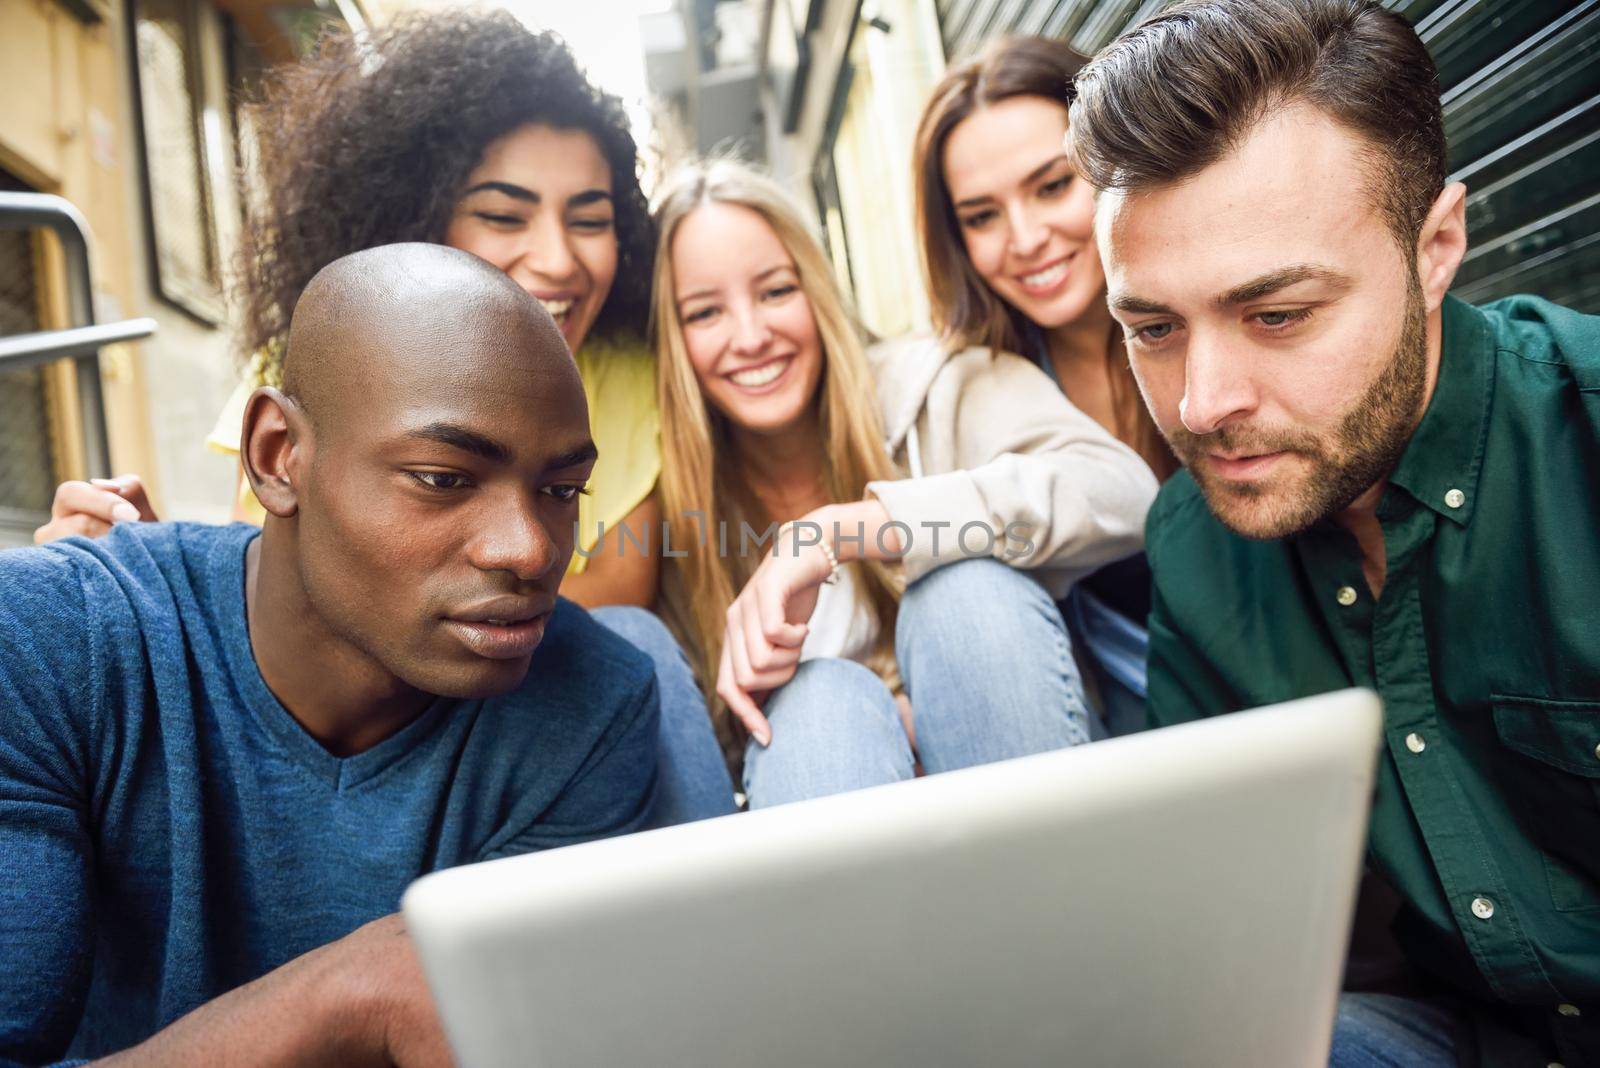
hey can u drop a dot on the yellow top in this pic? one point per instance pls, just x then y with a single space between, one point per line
620 382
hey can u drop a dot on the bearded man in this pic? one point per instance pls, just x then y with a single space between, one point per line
1384 487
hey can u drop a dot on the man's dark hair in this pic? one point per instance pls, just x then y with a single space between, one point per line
1183 89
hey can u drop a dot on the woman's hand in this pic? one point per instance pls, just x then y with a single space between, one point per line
767 621
767 625
91 508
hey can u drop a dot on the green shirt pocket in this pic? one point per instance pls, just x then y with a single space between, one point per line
1557 787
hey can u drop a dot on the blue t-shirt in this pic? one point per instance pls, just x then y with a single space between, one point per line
168 831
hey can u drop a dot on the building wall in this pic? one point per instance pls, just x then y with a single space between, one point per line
871 66
190 365
895 61
792 155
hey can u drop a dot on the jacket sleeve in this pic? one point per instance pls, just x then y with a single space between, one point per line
1022 476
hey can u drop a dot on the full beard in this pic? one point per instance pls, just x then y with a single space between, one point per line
1343 465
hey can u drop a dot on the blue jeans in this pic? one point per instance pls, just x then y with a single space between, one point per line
1116 649
987 665
834 728
692 781
1385 1031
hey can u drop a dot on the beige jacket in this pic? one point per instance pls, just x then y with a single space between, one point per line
992 445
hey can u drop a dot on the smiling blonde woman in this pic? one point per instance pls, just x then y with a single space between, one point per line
962 478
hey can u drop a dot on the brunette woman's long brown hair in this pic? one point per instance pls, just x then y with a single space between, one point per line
965 310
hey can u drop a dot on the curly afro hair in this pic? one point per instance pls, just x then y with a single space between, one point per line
367 143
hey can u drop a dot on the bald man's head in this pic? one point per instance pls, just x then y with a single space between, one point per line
397 309
422 466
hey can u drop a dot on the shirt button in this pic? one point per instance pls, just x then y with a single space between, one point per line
1455 498
1415 743
1482 908
1568 1010
1347 597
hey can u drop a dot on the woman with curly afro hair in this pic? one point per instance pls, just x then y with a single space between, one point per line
467 129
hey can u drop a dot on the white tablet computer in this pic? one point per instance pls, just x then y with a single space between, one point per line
1176 897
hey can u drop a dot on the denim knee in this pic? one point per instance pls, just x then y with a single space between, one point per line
692 781
641 628
835 728
988 665
1384 1029
970 609
835 694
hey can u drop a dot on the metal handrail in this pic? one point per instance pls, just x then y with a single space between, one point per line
82 341
47 346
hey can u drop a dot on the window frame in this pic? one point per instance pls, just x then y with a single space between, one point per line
204 301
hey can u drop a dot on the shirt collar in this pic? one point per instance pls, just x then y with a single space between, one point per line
1442 462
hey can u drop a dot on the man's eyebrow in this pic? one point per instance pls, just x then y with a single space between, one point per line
711 291
1138 305
456 436
585 453
1031 176
1255 289
510 190
1282 278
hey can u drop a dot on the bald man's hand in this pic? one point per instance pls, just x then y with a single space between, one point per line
393 997
360 1002
91 508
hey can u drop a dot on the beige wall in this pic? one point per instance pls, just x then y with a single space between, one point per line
790 156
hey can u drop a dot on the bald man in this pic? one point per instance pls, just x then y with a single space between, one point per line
225 752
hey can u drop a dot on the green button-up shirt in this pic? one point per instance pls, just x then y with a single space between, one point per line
1485 646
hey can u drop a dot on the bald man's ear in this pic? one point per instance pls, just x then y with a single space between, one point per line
273 448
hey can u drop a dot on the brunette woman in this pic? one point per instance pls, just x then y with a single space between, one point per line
1007 239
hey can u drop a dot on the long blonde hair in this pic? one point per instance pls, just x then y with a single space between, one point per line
700 472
